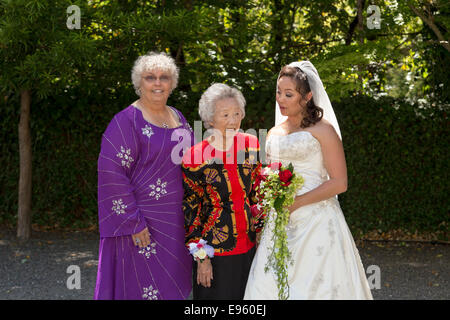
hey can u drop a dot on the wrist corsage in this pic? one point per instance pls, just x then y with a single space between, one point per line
200 250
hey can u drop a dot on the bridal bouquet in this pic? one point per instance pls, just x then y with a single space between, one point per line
276 188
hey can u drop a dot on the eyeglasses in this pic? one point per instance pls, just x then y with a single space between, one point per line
152 79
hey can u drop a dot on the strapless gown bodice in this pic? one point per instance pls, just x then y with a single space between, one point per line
303 150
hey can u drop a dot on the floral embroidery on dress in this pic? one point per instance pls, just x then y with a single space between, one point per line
118 206
147 131
318 280
125 156
322 204
331 231
335 292
148 250
298 146
319 250
158 190
150 293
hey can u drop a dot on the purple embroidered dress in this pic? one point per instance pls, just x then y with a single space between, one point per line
140 185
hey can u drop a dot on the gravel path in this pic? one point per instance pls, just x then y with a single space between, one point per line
37 270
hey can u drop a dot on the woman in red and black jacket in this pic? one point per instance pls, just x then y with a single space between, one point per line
218 178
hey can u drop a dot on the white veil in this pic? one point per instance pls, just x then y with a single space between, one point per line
320 96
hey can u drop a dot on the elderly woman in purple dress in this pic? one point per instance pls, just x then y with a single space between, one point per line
142 254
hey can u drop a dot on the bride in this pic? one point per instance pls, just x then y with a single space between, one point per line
326 263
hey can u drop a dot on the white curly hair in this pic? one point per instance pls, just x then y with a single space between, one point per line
153 61
216 92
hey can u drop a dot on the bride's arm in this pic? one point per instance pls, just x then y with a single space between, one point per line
334 161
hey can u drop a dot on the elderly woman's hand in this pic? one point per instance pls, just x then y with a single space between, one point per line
204 273
142 239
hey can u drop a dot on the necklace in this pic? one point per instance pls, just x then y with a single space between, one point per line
163 124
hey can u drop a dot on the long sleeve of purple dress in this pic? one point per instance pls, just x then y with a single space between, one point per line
118 213
140 185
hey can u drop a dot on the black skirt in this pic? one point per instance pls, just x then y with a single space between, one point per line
230 274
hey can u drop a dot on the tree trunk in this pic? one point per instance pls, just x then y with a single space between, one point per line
356 23
430 23
276 36
24 210
360 20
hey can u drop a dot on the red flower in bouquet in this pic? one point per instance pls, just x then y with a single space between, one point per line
256 212
285 177
259 178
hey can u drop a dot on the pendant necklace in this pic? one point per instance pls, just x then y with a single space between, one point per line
164 125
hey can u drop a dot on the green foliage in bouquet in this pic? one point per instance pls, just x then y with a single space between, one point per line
278 191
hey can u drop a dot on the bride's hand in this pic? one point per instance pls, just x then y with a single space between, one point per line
296 205
292 208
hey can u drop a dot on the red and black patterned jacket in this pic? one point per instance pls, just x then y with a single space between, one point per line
218 193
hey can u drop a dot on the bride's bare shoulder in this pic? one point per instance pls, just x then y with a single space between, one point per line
277 130
323 130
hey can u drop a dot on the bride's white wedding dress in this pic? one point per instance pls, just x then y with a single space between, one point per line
326 262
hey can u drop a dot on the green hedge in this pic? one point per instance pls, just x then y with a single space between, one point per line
398 170
397 157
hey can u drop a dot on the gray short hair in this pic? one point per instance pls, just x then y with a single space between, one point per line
216 92
153 61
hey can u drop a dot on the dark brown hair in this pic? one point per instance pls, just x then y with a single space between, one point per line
312 113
